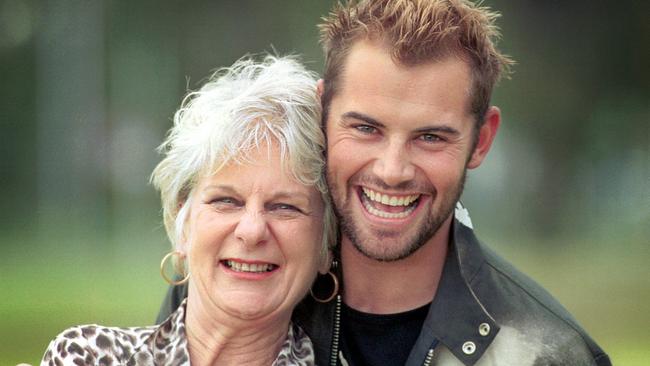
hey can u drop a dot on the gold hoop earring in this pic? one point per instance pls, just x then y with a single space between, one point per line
335 292
162 269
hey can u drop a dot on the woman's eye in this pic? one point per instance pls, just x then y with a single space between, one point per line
285 207
224 202
365 129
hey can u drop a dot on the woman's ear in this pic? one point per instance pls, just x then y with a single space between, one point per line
182 218
320 87
182 245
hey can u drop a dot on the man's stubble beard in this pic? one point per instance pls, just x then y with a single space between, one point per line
404 247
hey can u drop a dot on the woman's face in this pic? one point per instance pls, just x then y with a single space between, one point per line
253 239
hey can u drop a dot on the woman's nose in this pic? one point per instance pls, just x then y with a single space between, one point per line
252 228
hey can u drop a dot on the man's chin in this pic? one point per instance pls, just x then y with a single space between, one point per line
386 247
391 245
382 254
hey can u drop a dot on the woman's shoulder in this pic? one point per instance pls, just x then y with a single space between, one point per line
95 344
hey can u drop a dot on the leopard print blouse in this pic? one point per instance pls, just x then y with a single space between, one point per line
165 344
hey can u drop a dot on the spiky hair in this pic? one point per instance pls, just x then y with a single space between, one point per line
414 32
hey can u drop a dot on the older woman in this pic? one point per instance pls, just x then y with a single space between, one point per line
245 205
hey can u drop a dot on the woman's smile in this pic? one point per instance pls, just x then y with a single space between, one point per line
249 270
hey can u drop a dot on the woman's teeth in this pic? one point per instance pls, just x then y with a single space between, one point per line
250 267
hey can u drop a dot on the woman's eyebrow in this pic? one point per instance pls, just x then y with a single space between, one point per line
293 195
281 194
228 189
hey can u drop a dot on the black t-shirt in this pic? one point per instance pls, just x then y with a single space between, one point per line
387 339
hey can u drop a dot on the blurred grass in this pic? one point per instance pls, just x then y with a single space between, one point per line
73 282
70 282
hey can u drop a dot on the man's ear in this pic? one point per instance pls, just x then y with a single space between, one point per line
325 262
320 87
486 136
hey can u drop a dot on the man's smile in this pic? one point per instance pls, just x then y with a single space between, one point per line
386 205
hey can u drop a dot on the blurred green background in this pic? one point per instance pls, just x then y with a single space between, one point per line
88 89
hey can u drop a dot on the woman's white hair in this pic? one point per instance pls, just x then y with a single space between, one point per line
240 109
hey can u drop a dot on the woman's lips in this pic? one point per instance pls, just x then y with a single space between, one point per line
249 267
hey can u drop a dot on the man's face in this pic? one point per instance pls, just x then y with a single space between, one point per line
399 139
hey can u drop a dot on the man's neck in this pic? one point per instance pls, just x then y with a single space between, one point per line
378 287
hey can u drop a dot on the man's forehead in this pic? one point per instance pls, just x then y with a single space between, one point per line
374 86
369 67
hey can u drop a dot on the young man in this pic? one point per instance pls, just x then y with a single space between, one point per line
405 96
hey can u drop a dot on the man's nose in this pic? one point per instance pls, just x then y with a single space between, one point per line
252 228
393 165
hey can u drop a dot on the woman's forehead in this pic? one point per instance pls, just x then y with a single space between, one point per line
264 172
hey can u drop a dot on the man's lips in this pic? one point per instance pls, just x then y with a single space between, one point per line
248 266
388 206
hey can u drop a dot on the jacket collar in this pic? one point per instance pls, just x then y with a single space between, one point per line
457 318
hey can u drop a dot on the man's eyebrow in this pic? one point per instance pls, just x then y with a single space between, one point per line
427 129
438 129
363 117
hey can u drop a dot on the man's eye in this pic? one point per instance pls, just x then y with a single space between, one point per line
365 129
428 137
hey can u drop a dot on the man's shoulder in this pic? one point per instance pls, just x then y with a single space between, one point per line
508 277
530 316
505 290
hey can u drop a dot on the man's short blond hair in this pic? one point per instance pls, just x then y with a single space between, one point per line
415 32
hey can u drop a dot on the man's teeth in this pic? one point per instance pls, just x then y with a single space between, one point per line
390 200
388 215
249 267
404 203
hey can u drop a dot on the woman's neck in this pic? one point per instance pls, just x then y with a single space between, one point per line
216 339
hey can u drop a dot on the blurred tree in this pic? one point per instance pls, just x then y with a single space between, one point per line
90 87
